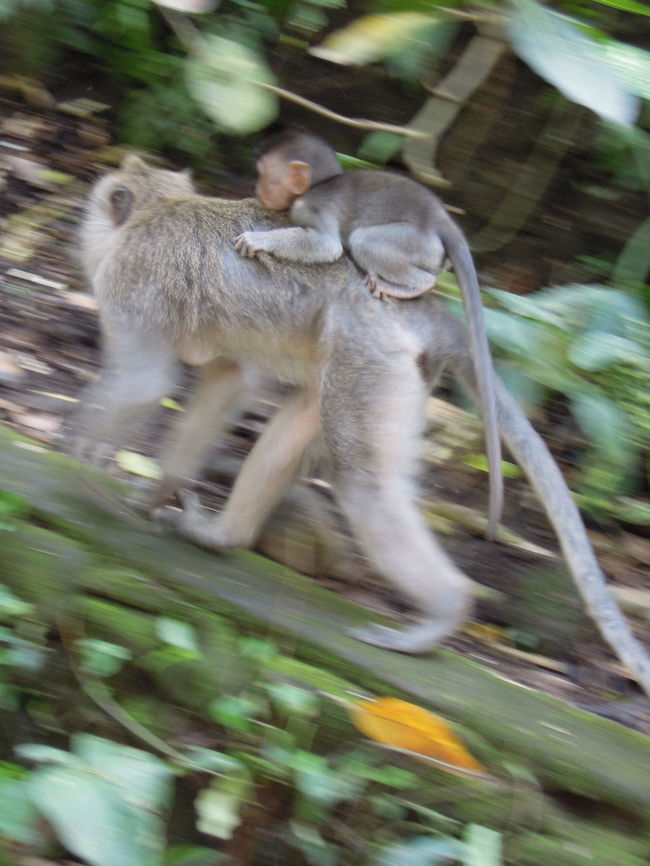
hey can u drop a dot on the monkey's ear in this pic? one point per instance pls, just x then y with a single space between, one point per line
133 163
298 177
121 203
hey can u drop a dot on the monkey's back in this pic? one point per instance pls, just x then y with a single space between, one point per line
170 267
365 198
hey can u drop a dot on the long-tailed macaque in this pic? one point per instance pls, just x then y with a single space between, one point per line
170 285
395 229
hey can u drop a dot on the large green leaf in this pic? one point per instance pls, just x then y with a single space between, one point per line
142 779
602 421
93 821
561 53
630 64
103 800
225 78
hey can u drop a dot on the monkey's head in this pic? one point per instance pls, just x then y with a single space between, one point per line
290 163
134 185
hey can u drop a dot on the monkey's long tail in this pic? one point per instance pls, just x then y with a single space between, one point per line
461 259
533 456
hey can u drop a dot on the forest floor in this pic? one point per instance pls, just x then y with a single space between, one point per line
49 350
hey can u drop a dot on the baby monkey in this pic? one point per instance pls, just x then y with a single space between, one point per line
392 227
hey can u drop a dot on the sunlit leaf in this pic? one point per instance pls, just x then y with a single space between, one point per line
422 851
177 633
406 726
630 64
224 77
570 60
93 821
190 7
10 605
596 350
101 658
483 846
138 464
142 779
373 37
627 6
234 712
18 816
293 701
218 810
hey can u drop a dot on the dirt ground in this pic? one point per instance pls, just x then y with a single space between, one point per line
534 632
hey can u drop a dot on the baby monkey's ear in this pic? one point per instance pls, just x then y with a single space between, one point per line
298 177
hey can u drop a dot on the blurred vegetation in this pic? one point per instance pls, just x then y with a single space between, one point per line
276 763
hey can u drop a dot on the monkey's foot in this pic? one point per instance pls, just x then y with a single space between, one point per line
417 639
383 288
194 524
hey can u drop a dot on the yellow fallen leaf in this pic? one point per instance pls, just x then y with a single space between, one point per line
401 725
138 464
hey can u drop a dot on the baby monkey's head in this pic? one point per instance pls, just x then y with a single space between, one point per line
289 163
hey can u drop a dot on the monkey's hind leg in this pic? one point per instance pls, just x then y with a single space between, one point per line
400 263
372 434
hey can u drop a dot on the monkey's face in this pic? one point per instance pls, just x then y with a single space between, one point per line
272 187
280 182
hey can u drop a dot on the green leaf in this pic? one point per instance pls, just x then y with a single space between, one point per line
193 855
12 506
233 712
293 701
95 823
142 779
314 848
224 77
46 754
138 464
631 65
633 264
627 6
218 812
422 851
483 846
177 633
597 350
11 606
100 658
18 816
566 57
373 37
602 421
218 762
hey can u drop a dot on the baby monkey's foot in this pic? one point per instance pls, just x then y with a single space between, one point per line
382 288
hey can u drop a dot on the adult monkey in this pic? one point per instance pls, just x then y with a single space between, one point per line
170 285
395 229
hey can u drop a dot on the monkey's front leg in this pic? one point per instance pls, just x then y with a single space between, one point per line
267 474
304 245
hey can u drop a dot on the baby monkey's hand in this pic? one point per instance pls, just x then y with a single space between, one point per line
250 244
